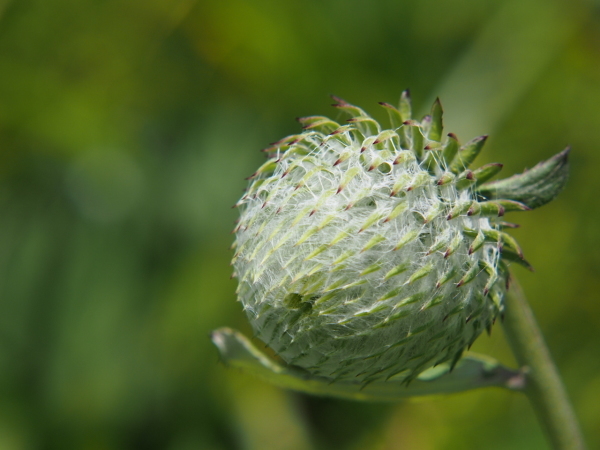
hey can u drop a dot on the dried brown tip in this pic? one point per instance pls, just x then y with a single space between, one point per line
340 101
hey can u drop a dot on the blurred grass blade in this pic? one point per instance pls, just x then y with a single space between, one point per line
498 69
471 372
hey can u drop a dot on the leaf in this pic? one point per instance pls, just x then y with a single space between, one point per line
467 154
534 187
471 372
435 132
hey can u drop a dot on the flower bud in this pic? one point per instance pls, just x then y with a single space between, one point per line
367 254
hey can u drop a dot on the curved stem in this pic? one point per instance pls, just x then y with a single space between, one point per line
544 386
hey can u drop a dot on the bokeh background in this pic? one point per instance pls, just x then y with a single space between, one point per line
126 131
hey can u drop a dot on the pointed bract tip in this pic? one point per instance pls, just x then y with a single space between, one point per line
564 154
452 136
340 101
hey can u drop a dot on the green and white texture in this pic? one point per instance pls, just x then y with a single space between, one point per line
366 254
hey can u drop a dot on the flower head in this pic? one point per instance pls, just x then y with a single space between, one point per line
365 253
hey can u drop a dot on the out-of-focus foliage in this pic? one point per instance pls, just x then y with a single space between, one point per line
126 129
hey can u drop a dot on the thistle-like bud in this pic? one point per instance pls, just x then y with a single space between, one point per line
369 254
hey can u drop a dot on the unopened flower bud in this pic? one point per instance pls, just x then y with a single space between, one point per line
365 253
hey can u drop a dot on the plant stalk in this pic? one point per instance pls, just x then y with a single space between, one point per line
544 387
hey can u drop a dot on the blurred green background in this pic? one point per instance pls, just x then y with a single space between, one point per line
126 130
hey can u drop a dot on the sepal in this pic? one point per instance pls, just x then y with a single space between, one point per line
472 371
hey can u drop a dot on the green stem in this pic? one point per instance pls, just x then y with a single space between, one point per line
544 387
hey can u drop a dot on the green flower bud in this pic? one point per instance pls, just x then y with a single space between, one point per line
367 254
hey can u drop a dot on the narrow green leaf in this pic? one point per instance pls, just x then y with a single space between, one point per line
395 116
435 132
321 123
499 207
467 154
534 187
405 106
486 172
510 256
417 142
472 371
450 149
